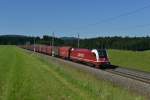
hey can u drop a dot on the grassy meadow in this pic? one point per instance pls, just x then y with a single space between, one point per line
136 60
27 77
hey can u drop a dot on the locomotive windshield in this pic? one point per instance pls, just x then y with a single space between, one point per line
102 53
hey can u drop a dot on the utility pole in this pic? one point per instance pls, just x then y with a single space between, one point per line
78 40
53 44
34 43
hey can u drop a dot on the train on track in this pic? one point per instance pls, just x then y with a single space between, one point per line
94 57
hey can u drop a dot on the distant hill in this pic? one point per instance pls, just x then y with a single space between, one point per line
13 36
68 38
14 39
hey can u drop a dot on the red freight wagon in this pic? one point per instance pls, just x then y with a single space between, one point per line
94 57
43 49
64 52
49 50
37 48
40 48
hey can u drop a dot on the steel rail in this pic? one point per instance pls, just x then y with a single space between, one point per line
131 76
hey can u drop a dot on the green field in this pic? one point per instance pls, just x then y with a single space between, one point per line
28 77
131 59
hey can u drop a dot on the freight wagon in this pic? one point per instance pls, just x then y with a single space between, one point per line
64 52
49 50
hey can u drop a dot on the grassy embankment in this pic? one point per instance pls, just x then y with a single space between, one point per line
131 59
27 77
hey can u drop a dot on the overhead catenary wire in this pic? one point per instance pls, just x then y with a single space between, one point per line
117 16
138 26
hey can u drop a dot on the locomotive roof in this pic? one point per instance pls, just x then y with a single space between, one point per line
65 47
81 49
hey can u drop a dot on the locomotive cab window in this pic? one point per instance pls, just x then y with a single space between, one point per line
102 53
94 54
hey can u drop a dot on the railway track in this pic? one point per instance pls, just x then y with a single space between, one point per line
130 73
135 75
134 80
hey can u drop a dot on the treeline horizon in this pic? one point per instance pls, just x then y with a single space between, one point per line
115 42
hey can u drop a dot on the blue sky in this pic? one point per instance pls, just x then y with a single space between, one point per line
69 17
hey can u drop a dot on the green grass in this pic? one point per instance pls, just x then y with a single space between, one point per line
28 77
131 59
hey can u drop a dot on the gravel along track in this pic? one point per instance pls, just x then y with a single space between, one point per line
136 75
126 82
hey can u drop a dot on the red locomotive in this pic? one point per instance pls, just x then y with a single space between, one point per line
95 57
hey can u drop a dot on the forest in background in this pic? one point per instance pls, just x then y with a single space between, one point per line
116 42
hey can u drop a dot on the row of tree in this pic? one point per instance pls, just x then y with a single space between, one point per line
124 43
